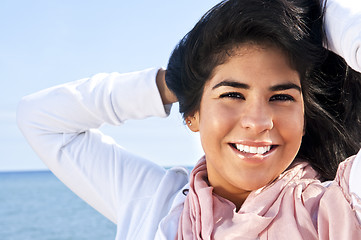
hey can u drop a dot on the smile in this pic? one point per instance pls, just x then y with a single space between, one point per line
252 149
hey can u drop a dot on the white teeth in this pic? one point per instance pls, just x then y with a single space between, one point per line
261 150
245 148
252 149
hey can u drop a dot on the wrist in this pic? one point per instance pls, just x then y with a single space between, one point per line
166 94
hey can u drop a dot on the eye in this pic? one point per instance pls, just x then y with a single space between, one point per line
282 98
235 95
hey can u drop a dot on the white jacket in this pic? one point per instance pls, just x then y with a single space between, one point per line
143 199
61 125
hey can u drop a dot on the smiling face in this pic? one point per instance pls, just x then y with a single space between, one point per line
251 121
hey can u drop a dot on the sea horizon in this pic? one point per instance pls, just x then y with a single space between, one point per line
37 205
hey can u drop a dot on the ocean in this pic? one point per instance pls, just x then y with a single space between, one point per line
36 205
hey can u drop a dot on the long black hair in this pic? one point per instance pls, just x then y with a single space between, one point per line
330 88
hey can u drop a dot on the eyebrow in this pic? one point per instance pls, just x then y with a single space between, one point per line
285 86
231 83
278 87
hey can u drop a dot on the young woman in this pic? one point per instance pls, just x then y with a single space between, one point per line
277 115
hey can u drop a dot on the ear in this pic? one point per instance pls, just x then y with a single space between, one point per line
193 122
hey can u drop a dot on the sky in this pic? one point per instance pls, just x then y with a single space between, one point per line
45 43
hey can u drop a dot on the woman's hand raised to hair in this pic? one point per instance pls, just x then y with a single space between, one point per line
166 94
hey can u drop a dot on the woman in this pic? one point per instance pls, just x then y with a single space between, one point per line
251 77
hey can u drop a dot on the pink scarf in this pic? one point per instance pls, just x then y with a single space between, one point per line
295 206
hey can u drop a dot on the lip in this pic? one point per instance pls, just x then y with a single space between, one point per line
253 158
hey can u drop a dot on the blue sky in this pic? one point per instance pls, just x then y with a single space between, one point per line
45 43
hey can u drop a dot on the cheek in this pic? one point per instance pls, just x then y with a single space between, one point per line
291 127
215 122
216 119
292 123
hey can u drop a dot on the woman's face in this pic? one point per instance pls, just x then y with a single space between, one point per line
251 120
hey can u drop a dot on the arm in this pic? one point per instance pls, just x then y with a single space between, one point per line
166 94
60 124
343 30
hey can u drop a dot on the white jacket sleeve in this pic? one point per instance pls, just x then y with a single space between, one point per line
343 30
60 124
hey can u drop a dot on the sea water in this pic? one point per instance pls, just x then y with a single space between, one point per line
36 205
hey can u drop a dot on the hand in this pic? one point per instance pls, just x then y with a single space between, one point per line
166 94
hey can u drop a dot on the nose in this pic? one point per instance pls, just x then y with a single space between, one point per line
257 116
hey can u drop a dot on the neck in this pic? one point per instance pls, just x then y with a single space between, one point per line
237 198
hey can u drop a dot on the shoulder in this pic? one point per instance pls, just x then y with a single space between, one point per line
168 226
343 194
156 213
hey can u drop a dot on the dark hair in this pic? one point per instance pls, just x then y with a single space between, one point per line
330 88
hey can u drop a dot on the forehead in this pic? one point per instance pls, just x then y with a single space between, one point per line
254 64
